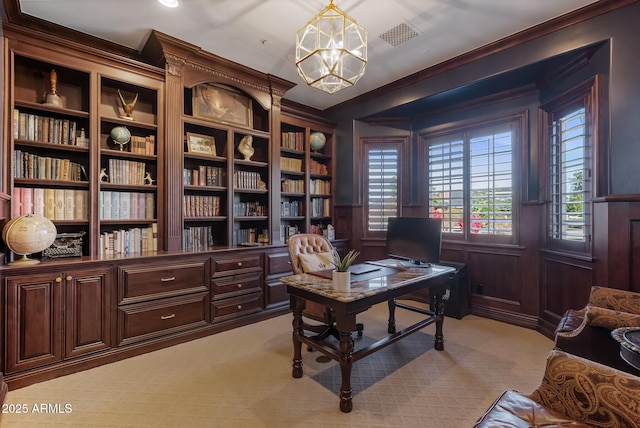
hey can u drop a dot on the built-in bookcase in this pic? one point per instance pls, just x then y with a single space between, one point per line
128 176
65 166
226 194
306 178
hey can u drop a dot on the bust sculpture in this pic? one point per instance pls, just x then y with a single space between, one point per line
245 147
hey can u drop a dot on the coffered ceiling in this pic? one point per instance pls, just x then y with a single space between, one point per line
405 36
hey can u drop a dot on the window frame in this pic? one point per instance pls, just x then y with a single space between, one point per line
519 123
587 95
402 145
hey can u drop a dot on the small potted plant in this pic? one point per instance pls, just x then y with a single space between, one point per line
341 276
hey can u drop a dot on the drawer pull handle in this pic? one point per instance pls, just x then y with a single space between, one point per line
239 285
171 278
58 279
239 263
69 277
167 317
239 307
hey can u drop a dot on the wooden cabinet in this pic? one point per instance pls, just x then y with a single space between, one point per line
39 305
158 300
236 286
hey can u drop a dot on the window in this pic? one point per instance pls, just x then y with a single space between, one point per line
470 179
570 142
382 187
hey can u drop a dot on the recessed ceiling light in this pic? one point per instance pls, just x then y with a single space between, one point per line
169 3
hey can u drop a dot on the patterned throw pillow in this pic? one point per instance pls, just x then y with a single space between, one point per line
316 262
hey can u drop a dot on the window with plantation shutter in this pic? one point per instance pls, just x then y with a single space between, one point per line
470 179
382 185
570 143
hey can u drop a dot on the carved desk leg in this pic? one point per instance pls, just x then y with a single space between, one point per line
297 305
391 329
437 296
345 326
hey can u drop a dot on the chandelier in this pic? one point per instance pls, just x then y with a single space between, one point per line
331 50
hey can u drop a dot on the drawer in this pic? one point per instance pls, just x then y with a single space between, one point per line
227 266
236 284
137 283
277 263
141 321
236 307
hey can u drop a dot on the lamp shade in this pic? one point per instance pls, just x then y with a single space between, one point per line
331 50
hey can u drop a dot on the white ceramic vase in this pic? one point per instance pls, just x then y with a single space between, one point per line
341 280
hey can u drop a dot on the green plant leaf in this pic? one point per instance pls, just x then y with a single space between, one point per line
342 264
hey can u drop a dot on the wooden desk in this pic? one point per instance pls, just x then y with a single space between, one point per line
385 285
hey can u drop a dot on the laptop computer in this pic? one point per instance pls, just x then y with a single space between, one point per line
361 268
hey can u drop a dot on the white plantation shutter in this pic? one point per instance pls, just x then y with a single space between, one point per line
569 177
446 184
382 188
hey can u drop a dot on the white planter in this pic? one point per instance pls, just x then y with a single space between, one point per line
341 280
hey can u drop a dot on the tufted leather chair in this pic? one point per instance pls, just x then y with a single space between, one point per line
311 243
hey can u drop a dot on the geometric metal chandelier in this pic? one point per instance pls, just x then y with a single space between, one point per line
331 50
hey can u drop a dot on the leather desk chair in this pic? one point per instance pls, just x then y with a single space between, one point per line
311 243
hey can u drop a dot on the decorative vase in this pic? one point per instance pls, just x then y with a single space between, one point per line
341 280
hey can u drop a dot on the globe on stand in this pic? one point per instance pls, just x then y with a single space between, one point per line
317 140
120 135
28 234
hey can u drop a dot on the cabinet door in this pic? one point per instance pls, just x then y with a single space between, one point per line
87 311
34 321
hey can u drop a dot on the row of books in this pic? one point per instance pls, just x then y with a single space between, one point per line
123 171
246 236
316 167
130 241
320 187
248 180
143 145
291 164
200 206
293 186
249 209
320 207
127 205
29 165
287 230
54 204
204 175
44 129
291 208
198 238
292 140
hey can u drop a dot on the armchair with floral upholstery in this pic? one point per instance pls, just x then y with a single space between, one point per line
574 392
587 332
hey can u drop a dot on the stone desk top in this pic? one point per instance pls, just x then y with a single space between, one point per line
389 278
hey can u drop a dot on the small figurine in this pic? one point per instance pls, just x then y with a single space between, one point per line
52 98
127 107
246 147
147 179
103 175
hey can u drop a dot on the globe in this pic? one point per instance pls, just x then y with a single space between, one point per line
317 140
120 135
28 234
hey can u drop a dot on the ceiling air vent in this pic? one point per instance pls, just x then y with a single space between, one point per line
399 34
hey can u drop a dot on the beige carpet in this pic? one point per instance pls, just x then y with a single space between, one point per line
243 378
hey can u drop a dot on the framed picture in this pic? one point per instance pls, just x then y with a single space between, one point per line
220 102
201 144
